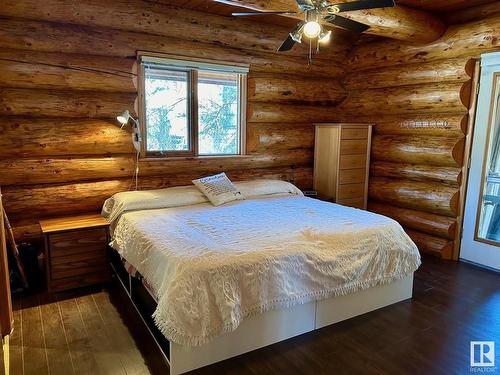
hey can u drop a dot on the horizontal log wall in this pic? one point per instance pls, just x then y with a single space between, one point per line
88 196
418 96
146 17
44 36
68 68
462 40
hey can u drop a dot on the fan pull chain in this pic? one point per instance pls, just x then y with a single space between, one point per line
310 52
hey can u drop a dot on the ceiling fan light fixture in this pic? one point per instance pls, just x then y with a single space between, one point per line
322 12
333 9
296 35
325 36
312 29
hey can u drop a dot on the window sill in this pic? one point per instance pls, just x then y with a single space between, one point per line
199 157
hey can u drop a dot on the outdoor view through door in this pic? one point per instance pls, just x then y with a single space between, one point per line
489 209
192 108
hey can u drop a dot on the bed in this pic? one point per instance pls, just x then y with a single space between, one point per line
233 278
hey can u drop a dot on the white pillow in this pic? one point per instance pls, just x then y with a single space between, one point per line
257 188
150 199
218 189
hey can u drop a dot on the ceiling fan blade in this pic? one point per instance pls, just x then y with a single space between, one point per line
346 23
290 41
287 44
364 4
241 14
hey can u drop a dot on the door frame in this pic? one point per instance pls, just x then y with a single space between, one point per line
6 316
471 202
469 137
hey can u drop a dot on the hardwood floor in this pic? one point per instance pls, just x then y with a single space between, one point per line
100 333
80 334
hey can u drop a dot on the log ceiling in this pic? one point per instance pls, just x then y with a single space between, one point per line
68 67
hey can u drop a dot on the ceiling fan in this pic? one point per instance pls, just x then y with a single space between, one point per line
318 11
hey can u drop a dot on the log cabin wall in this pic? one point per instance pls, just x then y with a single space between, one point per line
418 96
67 68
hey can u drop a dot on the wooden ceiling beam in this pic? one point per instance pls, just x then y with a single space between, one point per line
473 14
443 5
400 22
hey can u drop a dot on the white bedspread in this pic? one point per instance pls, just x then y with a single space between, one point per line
211 267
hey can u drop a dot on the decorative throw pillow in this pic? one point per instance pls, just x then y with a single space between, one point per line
218 189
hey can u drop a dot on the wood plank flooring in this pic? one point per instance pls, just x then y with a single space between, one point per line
80 334
99 332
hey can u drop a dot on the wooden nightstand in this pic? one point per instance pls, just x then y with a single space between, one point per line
75 251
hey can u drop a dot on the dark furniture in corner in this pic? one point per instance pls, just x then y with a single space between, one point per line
76 251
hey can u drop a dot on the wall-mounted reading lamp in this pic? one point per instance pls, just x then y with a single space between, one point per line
124 119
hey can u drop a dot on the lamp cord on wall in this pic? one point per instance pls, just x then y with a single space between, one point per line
136 174
117 73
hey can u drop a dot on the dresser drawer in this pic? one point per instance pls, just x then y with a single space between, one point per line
352 161
349 191
354 133
82 241
79 281
354 202
83 256
352 176
77 267
353 147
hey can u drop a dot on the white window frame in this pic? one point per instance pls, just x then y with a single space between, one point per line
192 66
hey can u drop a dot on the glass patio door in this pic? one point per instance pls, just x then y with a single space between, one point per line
481 232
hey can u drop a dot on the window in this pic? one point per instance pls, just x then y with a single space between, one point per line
192 108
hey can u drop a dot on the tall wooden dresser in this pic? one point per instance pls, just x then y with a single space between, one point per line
342 163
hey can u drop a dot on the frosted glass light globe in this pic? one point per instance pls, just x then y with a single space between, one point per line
325 37
312 29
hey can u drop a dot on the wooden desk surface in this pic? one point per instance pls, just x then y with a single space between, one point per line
62 224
